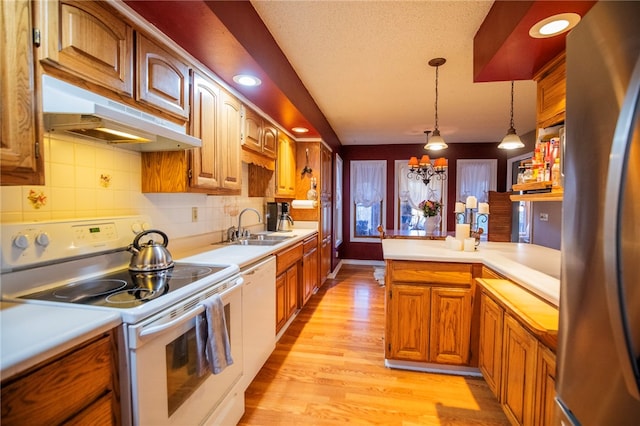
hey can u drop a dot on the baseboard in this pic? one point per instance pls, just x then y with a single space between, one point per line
363 262
433 368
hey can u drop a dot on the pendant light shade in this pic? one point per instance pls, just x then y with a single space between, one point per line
511 139
436 142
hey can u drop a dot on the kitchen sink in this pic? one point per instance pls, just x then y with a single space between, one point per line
262 240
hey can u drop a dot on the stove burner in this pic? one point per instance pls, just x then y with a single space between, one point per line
89 289
134 295
193 272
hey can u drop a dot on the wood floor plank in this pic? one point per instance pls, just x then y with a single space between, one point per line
328 369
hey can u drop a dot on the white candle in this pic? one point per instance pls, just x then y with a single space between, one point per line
459 208
462 231
456 245
469 244
483 208
472 202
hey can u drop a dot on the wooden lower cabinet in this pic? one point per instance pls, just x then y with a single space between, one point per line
79 386
545 387
519 360
429 309
516 356
287 283
490 356
310 268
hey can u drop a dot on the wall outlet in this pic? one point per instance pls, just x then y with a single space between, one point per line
194 214
544 217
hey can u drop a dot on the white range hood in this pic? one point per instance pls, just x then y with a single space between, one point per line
68 108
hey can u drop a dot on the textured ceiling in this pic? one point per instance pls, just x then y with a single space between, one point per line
365 65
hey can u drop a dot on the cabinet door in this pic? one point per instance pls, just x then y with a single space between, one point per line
326 208
21 162
408 309
518 372
285 166
310 273
292 290
230 134
450 326
269 140
252 134
162 79
281 301
545 387
551 93
490 356
87 40
205 124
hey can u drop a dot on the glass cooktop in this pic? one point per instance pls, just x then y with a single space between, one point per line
126 289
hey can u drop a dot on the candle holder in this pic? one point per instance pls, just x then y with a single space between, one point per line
474 219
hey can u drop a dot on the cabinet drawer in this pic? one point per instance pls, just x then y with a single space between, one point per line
61 388
431 272
288 257
310 244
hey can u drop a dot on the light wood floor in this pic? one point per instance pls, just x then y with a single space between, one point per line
328 369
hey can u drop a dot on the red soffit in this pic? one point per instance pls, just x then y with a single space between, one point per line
502 47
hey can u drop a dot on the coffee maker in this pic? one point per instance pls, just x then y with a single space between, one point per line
278 218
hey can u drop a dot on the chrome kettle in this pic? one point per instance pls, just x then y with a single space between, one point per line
285 222
150 256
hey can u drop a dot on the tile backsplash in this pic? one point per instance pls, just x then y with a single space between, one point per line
85 179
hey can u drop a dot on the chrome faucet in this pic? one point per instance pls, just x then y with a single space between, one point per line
239 232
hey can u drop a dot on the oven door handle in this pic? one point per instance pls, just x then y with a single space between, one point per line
145 332
182 318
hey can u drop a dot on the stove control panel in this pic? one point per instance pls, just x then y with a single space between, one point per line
26 244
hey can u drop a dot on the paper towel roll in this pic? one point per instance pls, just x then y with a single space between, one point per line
304 204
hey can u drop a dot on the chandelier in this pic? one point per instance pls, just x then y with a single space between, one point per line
425 171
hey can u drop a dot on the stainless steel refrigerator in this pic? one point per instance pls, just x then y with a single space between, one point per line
598 358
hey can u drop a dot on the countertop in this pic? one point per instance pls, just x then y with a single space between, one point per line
240 255
534 267
32 333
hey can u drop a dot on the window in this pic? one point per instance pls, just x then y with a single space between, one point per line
409 193
477 178
367 199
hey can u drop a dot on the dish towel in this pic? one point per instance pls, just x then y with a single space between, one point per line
217 349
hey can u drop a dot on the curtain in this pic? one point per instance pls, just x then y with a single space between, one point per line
368 178
477 178
414 190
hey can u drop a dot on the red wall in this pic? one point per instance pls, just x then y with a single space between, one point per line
370 251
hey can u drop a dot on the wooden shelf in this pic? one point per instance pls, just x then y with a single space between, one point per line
544 196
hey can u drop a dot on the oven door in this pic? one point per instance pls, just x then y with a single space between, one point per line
166 386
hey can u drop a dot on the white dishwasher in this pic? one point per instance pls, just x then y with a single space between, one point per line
258 316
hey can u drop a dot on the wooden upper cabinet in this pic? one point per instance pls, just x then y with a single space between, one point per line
162 78
551 93
21 160
89 41
205 124
258 134
286 167
230 134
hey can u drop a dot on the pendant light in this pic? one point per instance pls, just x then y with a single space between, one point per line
436 142
511 139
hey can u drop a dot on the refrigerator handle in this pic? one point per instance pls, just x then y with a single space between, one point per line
613 282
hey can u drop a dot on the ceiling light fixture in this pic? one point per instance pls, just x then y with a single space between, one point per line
511 139
436 142
554 25
247 80
300 129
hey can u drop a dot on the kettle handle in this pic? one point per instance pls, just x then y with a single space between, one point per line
165 239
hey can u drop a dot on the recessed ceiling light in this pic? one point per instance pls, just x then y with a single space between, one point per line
300 129
554 25
247 80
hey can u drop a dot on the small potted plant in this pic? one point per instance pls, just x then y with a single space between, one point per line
431 211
